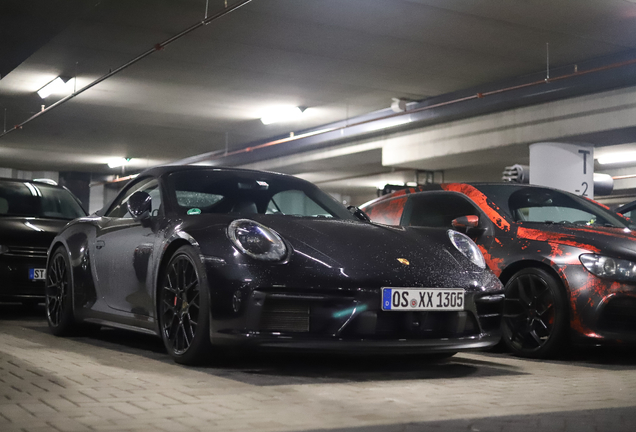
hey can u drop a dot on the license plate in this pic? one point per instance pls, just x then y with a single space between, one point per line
422 299
37 274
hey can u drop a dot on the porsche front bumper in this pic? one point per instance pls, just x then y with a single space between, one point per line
351 320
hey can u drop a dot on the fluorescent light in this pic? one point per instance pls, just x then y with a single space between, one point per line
616 158
117 162
281 114
58 85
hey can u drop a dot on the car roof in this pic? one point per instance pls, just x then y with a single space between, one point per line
163 170
14 180
432 187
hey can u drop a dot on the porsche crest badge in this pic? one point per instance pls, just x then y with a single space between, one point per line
404 261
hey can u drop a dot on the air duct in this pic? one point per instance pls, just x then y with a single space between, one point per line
516 174
603 183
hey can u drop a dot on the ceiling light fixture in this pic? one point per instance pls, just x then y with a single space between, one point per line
282 114
117 162
58 85
616 158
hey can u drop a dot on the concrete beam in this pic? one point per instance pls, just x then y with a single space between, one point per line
342 156
479 139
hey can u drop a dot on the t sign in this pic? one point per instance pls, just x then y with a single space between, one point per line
564 166
585 153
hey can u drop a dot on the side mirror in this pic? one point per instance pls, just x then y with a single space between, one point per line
359 213
139 205
465 223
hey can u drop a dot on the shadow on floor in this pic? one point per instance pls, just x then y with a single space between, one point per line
265 368
22 312
276 368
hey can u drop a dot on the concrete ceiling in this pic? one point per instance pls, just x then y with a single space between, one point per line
207 91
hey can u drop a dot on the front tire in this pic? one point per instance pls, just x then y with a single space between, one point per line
184 308
535 316
59 296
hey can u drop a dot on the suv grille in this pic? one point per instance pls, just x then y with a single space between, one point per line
26 251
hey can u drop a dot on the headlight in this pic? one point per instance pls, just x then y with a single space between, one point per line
256 240
467 247
610 268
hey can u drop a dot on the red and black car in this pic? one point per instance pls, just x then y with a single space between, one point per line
568 263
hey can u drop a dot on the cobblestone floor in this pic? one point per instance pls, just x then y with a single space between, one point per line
120 381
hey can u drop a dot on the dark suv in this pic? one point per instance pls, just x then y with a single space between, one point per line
31 214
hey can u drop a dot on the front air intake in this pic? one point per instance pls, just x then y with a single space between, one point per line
285 316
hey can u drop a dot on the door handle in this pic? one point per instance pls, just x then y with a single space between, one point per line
100 244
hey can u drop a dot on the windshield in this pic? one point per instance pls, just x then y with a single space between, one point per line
543 205
37 200
215 191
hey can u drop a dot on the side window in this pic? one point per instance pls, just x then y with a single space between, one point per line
387 212
150 186
437 210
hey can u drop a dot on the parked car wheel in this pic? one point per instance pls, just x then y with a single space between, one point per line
535 322
184 308
59 305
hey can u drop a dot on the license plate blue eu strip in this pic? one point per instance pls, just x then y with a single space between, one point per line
386 298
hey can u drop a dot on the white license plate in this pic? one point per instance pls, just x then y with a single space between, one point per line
422 299
37 274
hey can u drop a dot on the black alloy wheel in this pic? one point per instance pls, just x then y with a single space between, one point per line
535 322
184 308
59 307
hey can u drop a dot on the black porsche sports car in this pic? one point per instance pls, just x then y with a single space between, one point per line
207 257
31 214
568 263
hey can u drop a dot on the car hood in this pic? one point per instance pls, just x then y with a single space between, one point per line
368 251
26 231
618 242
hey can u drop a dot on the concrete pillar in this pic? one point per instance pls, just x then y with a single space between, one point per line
569 167
96 198
78 183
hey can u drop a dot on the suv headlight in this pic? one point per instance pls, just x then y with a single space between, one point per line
467 247
256 240
607 267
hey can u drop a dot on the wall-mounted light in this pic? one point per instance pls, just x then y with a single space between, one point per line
58 85
617 158
282 114
117 162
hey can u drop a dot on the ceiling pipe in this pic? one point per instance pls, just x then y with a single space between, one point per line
207 20
623 177
425 113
